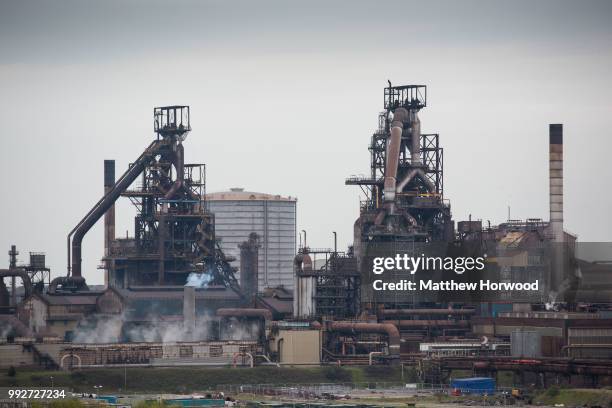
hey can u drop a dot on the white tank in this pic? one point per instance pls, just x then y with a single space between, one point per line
272 217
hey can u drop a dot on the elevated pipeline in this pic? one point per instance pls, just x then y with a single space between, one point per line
100 208
421 312
389 329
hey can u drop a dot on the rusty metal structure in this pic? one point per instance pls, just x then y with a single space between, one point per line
404 191
172 275
174 234
32 276
330 291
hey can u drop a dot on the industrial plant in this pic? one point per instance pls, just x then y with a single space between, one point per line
224 278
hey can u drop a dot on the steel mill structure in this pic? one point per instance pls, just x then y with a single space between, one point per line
217 279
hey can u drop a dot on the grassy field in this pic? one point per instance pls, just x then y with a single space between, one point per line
181 380
571 397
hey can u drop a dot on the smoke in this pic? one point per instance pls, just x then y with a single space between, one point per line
118 329
99 330
552 305
235 329
199 280
159 331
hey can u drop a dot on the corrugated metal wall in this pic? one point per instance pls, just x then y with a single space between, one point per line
273 221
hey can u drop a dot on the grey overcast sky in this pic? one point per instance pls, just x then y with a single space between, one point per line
284 97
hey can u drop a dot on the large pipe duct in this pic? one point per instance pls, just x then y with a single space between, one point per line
555 160
102 206
389 329
179 165
391 186
400 115
418 172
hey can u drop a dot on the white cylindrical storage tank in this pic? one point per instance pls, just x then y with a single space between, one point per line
238 213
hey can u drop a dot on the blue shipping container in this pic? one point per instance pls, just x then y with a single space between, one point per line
475 385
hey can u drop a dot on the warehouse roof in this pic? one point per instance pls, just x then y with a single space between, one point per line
238 194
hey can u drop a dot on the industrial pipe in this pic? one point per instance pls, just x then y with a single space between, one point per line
242 353
418 172
25 278
383 328
71 283
421 312
372 354
430 323
264 314
400 115
104 204
179 165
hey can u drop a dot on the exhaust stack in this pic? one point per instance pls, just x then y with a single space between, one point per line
109 216
249 266
555 177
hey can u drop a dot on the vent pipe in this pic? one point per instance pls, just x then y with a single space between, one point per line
555 177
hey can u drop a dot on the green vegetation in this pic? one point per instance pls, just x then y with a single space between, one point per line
189 379
575 397
67 403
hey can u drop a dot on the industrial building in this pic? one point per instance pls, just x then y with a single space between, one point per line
239 213
216 278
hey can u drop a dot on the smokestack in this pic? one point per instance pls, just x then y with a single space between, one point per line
249 266
189 312
555 177
13 265
109 216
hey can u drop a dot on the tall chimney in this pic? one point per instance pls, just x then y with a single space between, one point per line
555 177
109 216
13 265
249 266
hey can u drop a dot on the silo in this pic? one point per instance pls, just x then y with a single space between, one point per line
239 213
